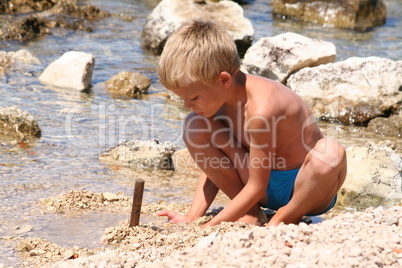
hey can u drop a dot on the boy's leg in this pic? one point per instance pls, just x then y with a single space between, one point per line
220 156
318 181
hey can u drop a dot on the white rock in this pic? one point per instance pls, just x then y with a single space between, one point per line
72 70
171 14
149 154
110 197
69 253
279 56
36 252
363 79
374 170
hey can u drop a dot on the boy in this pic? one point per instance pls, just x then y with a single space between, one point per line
253 138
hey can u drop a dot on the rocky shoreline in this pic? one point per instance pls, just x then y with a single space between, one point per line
370 238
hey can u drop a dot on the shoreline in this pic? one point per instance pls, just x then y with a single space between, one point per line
359 239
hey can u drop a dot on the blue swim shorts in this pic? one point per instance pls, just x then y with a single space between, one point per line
280 189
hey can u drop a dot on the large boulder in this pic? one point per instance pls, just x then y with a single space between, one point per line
374 177
354 90
279 56
72 70
171 14
135 154
18 123
128 84
353 14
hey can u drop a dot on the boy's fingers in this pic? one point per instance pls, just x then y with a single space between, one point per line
167 213
164 213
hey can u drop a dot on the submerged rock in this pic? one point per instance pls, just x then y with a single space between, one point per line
72 70
358 88
61 15
137 154
374 177
25 6
128 84
88 12
25 29
16 122
355 14
279 56
169 15
9 59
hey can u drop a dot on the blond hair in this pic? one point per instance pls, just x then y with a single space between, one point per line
197 52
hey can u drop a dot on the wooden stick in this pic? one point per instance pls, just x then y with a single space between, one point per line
137 202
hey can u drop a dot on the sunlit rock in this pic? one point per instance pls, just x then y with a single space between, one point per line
128 84
19 123
171 14
391 126
279 56
354 14
353 90
373 178
137 154
72 70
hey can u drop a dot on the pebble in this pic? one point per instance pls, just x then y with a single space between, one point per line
22 229
24 246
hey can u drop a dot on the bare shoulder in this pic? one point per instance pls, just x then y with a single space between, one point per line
267 97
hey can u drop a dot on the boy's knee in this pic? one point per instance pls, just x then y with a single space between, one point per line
330 154
197 131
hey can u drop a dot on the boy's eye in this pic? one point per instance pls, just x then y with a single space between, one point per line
193 99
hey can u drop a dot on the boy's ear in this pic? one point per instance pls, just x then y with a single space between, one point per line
225 79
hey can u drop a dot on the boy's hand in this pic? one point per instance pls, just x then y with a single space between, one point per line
174 216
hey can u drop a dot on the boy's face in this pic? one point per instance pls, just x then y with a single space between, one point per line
202 99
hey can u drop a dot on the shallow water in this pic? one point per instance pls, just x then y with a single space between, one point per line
77 127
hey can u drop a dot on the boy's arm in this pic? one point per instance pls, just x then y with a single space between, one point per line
259 171
205 193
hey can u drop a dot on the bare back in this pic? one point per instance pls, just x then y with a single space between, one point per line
291 129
